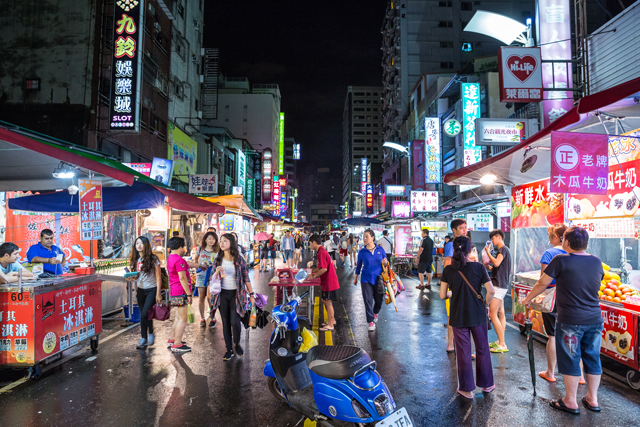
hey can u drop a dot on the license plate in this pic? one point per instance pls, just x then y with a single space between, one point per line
400 418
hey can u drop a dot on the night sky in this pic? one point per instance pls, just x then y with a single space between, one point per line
312 50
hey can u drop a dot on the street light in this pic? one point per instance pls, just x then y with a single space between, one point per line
500 27
401 148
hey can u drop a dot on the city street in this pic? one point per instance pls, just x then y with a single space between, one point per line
120 385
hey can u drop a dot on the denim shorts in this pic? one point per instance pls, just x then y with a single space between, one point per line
288 254
575 342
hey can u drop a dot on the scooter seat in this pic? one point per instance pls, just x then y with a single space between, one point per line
336 362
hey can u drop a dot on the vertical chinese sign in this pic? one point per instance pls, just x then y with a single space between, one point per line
579 163
554 37
470 112
419 164
283 197
267 162
532 205
369 199
275 191
433 168
242 171
281 146
90 209
126 65
251 192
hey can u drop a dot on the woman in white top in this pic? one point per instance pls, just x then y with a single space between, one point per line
209 248
330 246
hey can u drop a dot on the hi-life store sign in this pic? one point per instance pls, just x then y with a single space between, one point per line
126 65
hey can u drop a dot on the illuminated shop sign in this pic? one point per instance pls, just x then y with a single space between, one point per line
433 164
281 146
296 151
276 194
369 199
267 160
126 65
363 169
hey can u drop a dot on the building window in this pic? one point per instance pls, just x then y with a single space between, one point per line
446 65
446 45
445 24
32 84
466 5
445 3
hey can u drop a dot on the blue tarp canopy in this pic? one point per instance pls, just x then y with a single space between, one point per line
114 199
361 221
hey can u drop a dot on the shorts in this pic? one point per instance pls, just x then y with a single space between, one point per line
298 250
288 254
178 300
575 342
425 267
343 252
264 255
329 296
549 321
272 254
200 283
500 293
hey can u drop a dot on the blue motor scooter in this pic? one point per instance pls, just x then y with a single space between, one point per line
333 385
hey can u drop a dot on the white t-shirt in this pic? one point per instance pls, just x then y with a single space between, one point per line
229 281
385 243
328 245
147 280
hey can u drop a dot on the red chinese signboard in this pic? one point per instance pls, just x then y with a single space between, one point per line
16 328
90 209
579 163
532 205
369 199
619 335
65 317
520 74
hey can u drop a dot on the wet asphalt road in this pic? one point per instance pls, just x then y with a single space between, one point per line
123 386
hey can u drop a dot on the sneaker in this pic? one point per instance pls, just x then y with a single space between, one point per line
151 340
375 318
141 344
228 355
182 349
213 323
239 350
171 342
203 323
372 326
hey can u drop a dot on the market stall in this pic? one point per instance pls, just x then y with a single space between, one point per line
542 195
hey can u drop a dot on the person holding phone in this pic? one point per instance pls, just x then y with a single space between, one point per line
209 248
49 255
149 286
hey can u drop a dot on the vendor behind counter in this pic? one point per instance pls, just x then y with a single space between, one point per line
45 252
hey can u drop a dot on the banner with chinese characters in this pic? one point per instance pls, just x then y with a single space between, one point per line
520 74
275 191
532 205
432 164
183 151
607 227
65 317
126 65
369 199
90 209
401 209
424 201
554 36
143 168
419 162
470 112
17 345
250 196
579 163
203 184
619 335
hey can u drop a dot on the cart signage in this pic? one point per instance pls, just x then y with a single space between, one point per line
619 335
424 201
16 328
203 184
579 163
126 66
65 317
90 209
532 205
520 74
403 239
480 222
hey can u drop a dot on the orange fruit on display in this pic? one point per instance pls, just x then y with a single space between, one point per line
616 299
618 294
609 292
603 297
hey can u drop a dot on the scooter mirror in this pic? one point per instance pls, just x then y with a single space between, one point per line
301 275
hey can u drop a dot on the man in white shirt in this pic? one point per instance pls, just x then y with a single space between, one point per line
385 243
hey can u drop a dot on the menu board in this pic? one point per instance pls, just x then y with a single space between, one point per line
619 335
532 205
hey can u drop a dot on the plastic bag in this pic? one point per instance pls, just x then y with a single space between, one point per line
253 317
191 315
485 258
215 285
309 340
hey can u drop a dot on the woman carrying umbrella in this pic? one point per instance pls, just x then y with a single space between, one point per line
462 283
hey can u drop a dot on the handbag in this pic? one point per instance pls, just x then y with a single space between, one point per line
160 311
479 296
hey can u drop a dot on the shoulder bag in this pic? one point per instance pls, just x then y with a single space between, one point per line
479 296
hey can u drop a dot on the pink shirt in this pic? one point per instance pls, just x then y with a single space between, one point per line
175 264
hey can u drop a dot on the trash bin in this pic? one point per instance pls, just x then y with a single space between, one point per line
135 318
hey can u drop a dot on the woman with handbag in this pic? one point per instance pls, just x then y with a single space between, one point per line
462 283
149 286
235 290
370 260
209 248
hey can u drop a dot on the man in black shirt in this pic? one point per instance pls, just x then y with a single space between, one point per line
425 260
501 272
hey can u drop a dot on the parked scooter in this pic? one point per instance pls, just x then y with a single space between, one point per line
333 385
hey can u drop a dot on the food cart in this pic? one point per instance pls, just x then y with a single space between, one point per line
612 220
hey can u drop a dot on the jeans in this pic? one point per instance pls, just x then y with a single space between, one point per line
484 369
575 342
146 300
288 254
230 318
372 300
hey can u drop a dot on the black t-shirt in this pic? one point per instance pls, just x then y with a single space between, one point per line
427 250
503 271
577 284
466 309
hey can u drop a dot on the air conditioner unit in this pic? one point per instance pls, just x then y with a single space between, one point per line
200 114
194 59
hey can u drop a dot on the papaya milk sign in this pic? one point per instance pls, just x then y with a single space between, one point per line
579 163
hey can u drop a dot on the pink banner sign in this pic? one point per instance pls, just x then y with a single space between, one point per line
403 240
401 209
579 163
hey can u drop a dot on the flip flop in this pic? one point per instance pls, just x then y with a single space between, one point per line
559 405
582 381
493 344
327 328
461 393
451 351
498 350
489 389
542 375
589 407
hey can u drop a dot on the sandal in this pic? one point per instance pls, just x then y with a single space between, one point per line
542 375
493 344
420 287
489 389
498 350
582 381
589 407
559 405
327 328
466 396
